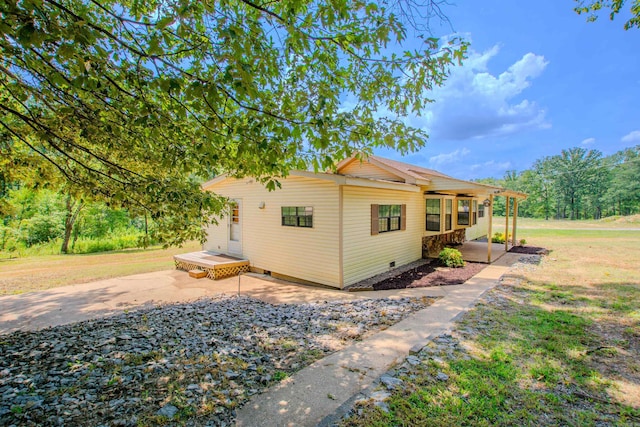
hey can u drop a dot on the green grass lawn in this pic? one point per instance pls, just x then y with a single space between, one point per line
632 221
557 344
18 275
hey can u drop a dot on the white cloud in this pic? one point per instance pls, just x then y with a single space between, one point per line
452 157
474 103
588 141
632 136
492 166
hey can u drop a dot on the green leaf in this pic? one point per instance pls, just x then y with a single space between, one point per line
163 23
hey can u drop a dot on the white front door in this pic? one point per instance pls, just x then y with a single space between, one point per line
234 245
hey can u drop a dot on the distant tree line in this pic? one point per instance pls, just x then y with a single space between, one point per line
576 184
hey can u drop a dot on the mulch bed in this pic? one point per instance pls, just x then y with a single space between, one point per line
530 250
431 274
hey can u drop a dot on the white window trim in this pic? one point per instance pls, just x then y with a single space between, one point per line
442 199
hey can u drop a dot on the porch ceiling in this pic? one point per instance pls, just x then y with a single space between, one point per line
475 192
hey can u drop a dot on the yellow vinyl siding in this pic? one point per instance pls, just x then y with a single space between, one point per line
366 255
480 229
367 170
311 254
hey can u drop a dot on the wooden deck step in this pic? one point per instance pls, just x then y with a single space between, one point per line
214 265
198 274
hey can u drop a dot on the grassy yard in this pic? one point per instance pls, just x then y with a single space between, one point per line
557 344
18 275
624 222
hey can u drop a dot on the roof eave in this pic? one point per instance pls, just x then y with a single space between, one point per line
214 181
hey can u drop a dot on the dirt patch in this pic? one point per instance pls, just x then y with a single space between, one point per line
431 274
531 250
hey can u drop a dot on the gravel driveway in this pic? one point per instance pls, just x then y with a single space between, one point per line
191 363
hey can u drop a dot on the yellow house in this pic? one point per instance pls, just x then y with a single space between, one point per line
336 229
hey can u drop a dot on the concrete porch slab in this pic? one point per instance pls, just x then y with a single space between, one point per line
476 251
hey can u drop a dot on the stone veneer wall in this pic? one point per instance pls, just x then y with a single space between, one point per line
432 245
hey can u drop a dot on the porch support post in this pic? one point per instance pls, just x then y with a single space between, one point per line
490 229
515 220
506 224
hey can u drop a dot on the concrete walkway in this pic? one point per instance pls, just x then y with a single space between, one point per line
315 394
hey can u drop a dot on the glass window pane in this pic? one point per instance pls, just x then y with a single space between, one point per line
433 206
463 218
463 212
395 223
448 206
382 225
383 211
433 222
297 216
396 210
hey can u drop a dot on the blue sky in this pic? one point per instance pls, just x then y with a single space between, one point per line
539 79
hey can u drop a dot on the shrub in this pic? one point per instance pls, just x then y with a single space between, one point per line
114 243
43 228
451 257
8 239
499 237
522 242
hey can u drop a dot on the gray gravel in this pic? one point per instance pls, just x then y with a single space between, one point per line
191 364
402 375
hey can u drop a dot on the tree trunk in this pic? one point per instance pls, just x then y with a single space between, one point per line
73 210
546 205
76 231
572 209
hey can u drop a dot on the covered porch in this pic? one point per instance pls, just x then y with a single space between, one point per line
463 225
496 250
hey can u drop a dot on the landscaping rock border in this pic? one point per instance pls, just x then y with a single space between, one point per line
190 363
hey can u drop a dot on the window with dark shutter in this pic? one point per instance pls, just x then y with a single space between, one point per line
374 220
389 218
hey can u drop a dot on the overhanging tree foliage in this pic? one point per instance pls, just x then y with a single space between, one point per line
614 8
133 100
